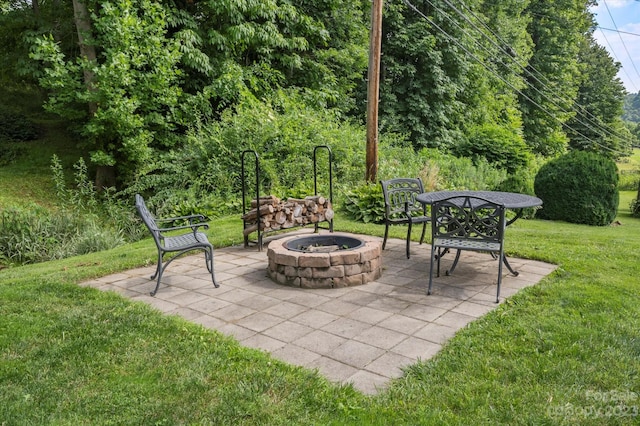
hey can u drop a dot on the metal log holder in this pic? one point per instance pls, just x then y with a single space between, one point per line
245 208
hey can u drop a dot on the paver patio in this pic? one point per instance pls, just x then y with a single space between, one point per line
364 335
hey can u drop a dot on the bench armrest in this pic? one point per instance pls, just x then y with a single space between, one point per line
193 226
190 217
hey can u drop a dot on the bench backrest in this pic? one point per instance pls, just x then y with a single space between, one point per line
148 218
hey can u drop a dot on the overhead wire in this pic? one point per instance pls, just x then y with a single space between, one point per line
621 39
586 115
618 31
494 72
613 52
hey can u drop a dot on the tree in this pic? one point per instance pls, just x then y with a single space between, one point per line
317 46
20 22
423 74
631 108
133 83
598 126
448 68
557 29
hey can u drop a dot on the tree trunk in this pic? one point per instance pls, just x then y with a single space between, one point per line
83 26
105 175
105 178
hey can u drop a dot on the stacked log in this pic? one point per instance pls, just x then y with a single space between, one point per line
276 214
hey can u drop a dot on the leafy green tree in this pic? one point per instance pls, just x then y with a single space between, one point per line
557 29
135 84
447 68
631 108
20 21
598 126
423 74
317 46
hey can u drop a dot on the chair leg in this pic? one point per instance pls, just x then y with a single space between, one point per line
455 263
158 266
500 259
424 230
433 258
386 234
409 241
159 273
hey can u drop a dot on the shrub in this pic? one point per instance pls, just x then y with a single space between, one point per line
578 187
35 234
15 127
10 152
365 203
521 182
500 147
635 204
205 174
438 171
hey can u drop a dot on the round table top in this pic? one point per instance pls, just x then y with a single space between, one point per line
510 200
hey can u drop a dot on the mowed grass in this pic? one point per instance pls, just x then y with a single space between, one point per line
566 351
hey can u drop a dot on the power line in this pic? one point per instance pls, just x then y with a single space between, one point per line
621 39
450 37
613 52
510 52
618 31
504 80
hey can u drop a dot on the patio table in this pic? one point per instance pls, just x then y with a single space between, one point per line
511 200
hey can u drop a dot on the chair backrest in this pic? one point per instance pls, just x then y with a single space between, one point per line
400 191
468 218
148 218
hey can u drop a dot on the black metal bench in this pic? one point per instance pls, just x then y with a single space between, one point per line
180 244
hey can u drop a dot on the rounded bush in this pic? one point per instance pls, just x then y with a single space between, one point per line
578 187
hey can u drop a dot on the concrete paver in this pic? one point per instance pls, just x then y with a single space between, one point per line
364 335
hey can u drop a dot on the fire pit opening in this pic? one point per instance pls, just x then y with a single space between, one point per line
325 261
323 243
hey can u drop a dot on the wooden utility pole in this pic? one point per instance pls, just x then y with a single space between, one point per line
375 41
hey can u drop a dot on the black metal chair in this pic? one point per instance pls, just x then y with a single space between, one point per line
182 243
401 207
467 223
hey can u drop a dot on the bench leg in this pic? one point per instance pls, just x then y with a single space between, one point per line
208 255
159 274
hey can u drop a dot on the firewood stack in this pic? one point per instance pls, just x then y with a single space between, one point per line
276 214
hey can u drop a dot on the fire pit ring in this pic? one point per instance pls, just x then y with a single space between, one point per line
323 243
325 261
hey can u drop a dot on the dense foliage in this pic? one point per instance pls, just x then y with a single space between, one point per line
83 221
635 204
598 126
499 80
579 187
631 108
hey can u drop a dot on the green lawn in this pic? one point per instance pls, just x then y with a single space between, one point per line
566 351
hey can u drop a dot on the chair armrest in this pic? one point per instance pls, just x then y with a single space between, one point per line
190 217
193 226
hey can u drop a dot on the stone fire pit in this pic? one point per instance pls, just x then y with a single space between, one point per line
324 261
